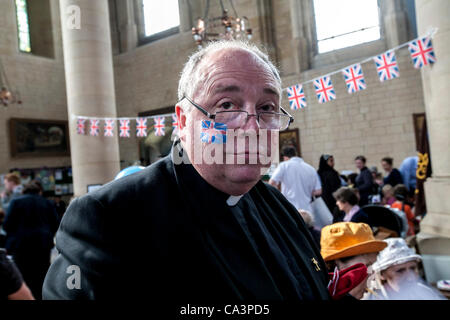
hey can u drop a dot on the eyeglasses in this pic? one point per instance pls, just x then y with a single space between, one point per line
236 118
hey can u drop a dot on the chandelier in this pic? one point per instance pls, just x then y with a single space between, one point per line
221 27
7 96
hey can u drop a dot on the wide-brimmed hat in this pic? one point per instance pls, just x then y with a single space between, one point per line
347 239
396 252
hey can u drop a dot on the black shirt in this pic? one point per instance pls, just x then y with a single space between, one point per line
10 277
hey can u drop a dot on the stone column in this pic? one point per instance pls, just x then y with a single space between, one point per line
436 80
90 89
128 34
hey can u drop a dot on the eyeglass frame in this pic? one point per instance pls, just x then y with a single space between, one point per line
213 116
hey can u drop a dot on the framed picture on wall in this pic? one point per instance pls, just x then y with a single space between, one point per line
38 138
290 137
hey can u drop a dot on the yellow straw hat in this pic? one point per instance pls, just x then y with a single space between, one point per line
346 239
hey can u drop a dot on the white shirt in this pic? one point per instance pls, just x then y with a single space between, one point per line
298 182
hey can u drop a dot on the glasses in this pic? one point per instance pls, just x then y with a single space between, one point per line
236 118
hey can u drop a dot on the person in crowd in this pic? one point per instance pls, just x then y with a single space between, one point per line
347 202
401 203
408 170
393 176
214 231
349 249
30 224
2 232
309 221
13 189
60 206
364 181
298 180
396 275
330 180
352 180
388 195
12 286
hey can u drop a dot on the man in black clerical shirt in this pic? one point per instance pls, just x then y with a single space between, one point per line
193 227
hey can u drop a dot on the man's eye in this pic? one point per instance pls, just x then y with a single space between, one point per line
267 108
227 105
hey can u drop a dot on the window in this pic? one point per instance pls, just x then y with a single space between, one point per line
345 23
23 26
160 16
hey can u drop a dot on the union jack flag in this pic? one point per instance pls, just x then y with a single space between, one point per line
141 127
80 125
213 132
354 78
94 127
387 66
421 52
109 127
296 97
324 89
159 126
124 128
174 122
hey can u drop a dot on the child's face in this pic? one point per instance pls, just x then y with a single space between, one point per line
397 274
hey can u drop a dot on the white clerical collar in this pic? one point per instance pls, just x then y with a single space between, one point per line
233 200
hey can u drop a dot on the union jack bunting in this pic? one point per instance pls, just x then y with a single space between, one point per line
174 122
296 97
159 126
324 89
80 125
354 78
124 128
141 127
387 66
422 52
94 130
213 132
109 128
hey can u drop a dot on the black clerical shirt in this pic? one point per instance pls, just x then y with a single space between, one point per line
165 232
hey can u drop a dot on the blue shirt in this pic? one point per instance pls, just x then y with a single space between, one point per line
408 170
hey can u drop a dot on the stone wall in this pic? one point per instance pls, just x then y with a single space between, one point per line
40 81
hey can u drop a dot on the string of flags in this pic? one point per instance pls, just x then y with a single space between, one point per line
421 51
422 54
159 125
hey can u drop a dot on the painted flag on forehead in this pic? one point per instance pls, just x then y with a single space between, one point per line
296 97
141 127
422 52
387 66
174 122
124 128
109 128
80 125
159 126
213 132
354 78
324 89
94 127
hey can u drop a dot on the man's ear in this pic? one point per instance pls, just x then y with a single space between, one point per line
181 117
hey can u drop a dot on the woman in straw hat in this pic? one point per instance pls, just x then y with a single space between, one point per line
349 248
396 275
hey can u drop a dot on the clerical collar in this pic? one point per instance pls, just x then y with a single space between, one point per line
233 200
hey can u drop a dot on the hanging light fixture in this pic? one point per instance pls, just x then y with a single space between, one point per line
221 27
7 96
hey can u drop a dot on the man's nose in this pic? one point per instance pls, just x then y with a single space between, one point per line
251 122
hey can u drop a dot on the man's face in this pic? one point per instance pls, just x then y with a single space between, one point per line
359 164
386 166
232 79
9 185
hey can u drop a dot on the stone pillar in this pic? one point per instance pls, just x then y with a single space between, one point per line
395 22
90 89
436 79
128 34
